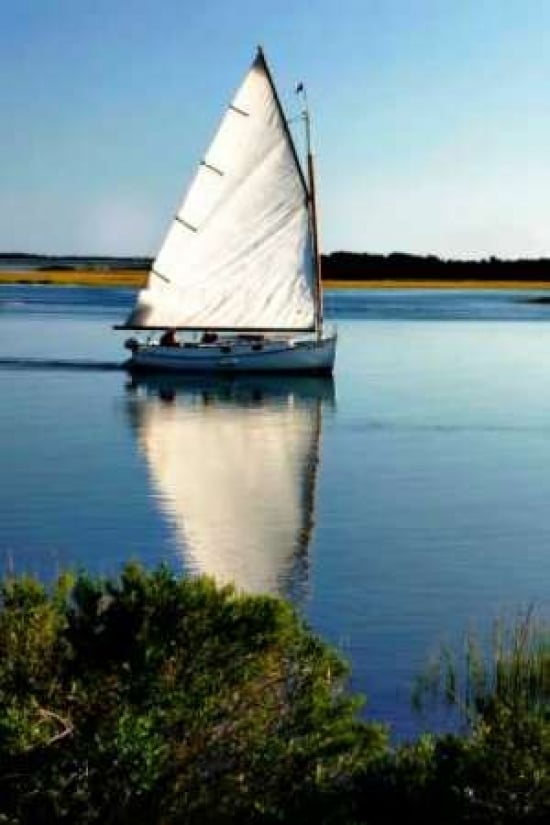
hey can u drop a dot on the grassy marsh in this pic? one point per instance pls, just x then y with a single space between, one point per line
137 278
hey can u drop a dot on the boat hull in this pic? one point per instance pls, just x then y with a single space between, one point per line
312 357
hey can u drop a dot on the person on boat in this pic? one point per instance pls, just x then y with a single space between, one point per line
168 338
209 337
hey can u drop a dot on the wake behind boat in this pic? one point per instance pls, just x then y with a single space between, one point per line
236 286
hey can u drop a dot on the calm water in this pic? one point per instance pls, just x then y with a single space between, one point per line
397 505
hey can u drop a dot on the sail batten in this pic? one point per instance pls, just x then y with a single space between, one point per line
239 252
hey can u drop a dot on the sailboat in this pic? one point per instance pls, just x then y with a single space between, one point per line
233 462
236 285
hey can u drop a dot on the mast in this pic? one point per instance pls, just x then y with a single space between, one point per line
313 217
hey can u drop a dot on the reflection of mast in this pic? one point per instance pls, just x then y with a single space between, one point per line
300 567
234 467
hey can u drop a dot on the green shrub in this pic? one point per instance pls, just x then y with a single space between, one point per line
158 699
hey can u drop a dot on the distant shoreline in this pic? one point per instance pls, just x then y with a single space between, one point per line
340 270
136 278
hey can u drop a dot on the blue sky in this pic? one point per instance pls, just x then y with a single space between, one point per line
431 117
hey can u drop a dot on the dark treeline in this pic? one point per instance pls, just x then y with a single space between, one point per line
353 266
356 266
36 261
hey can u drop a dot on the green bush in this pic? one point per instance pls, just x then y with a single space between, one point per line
157 699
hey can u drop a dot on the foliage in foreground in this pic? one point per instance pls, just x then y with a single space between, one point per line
498 772
158 699
154 699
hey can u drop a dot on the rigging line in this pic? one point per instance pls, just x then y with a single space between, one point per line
212 168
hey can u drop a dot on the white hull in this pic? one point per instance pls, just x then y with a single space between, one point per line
308 356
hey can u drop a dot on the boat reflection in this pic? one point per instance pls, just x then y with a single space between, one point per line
234 462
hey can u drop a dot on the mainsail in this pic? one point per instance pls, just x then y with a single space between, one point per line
239 252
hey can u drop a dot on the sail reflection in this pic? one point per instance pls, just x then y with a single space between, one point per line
234 464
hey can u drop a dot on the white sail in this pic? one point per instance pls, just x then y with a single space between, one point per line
239 254
236 477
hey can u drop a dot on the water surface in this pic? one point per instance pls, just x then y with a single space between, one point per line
396 505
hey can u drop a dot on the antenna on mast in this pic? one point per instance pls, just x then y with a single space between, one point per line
301 91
